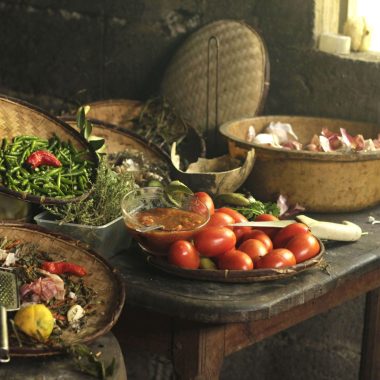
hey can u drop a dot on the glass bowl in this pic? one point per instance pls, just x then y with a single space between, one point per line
156 219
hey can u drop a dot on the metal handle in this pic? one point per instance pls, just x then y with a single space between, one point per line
4 342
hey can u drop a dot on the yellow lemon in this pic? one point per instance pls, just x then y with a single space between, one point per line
36 321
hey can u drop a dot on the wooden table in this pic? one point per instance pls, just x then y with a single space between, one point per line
198 323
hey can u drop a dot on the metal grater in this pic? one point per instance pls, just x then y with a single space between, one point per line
9 301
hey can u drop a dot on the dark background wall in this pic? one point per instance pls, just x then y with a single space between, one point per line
58 54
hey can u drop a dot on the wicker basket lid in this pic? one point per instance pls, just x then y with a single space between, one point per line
225 62
21 118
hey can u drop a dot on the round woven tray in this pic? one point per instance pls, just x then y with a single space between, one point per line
21 118
118 139
125 112
106 281
190 82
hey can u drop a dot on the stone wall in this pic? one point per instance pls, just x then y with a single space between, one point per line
60 53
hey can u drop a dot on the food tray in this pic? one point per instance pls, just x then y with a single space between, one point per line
105 280
234 276
21 118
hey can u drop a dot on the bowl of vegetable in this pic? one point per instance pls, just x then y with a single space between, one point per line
156 218
322 164
42 159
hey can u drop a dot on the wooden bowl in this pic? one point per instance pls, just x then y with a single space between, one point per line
318 181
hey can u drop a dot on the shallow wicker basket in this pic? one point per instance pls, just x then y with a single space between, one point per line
125 112
21 118
320 182
102 278
118 139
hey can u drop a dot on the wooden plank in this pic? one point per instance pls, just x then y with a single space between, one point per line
198 350
370 359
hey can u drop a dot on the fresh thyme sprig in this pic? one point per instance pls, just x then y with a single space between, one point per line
103 204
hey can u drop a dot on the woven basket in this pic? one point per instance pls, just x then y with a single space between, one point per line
124 112
318 181
101 277
118 139
20 118
116 111
243 78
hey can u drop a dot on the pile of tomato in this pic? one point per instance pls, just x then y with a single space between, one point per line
221 246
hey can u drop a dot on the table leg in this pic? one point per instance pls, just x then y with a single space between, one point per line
370 357
198 351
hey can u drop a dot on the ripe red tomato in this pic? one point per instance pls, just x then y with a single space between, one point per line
235 260
220 219
259 235
253 248
183 254
270 231
207 200
304 246
213 241
286 233
278 258
238 218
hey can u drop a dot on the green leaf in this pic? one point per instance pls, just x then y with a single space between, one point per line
87 130
97 144
178 186
81 118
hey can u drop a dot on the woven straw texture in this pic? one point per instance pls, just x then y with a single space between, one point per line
115 111
20 118
243 75
101 278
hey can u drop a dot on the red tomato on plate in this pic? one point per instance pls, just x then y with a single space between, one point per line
285 234
184 255
220 219
259 235
253 248
304 246
235 260
270 231
207 200
213 241
238 218
278 258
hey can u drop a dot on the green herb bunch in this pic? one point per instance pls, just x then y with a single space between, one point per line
103 204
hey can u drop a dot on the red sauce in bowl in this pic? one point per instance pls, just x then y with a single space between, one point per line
177 225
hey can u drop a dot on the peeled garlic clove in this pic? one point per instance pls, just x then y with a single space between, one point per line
75 313
266 138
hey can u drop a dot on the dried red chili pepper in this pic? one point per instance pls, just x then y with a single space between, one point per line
43 157
61 267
